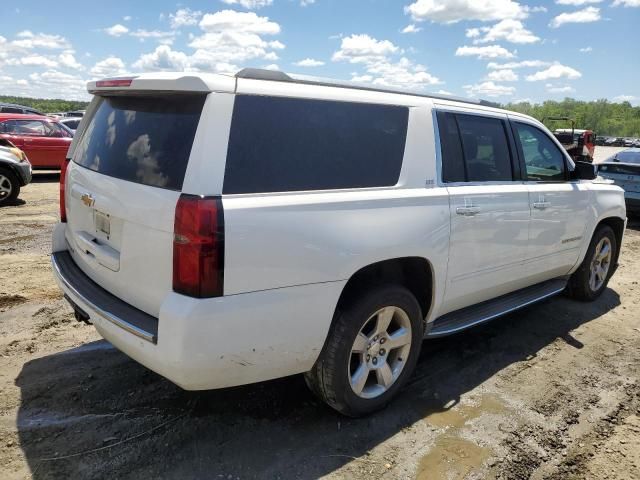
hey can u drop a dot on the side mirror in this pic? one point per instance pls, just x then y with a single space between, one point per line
584 171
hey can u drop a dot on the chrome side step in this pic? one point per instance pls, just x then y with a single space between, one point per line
483 312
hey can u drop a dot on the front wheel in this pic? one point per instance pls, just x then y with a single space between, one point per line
9 186
589 281
371 351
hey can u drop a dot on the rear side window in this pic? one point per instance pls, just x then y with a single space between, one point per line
474 148
144 139
286 144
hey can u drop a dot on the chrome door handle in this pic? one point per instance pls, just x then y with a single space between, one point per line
541 205
468 211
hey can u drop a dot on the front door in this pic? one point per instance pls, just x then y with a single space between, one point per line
559 206
489 209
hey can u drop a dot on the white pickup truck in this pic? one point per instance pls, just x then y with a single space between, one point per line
223 230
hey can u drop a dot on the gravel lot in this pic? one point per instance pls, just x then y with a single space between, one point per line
549 392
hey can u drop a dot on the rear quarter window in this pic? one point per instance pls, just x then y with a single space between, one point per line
145 139
286 144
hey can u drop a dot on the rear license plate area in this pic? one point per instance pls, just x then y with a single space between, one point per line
102 222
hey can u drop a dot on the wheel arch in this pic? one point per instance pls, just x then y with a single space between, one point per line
414 273
617 225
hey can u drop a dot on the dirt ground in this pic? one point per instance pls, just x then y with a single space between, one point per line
551 392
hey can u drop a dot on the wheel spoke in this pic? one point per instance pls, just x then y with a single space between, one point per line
359 378
399 338
384 319
360 344
604 252
592 278
384 375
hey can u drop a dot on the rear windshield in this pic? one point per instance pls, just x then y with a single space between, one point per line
145 140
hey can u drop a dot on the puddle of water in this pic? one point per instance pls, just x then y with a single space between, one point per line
459 415
451 458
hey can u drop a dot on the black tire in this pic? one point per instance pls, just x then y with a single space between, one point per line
329 377
8 179
579 287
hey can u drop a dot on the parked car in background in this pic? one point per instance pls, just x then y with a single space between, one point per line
42 138
628 142
75 113
13 108
70 122
15 171
579 143
226 230
624 169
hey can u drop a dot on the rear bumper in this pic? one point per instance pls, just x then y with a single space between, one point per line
211 343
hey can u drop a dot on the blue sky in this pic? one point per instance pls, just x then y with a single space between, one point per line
502 50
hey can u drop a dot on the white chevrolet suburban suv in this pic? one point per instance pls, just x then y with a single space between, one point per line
223 230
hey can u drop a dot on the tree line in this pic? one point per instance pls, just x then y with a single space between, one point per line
46 105
601 116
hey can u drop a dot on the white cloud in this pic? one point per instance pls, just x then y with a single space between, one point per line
247 22
272 66
490 51
586 50
117 30
229 38
444 92
67 59
306 3
504 75
143 34
162 58
249 4
586 15
55 84
309 62
401 74
626 3
555 71
127 18
36 61
625 98
411 28
522 64
559 89
184 17
489 89
509 30
363 49
576 3
452 11
29 40
380 67
109 67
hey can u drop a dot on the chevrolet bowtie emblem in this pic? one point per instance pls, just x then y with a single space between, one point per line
87 199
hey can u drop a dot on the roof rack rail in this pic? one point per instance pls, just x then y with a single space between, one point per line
277 76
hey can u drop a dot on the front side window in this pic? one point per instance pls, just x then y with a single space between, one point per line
543 159
281 144
474 148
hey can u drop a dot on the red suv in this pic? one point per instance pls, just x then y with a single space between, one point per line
43 139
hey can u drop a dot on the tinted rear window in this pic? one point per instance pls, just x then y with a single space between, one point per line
145 140
286 144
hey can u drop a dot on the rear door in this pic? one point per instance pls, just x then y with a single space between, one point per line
127 171
489 208
559 206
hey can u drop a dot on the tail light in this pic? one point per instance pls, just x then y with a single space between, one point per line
198 247
63 181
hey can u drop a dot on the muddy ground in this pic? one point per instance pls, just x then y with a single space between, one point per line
551 392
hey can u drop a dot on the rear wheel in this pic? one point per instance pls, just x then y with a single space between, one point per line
589 281
9 186
371 351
